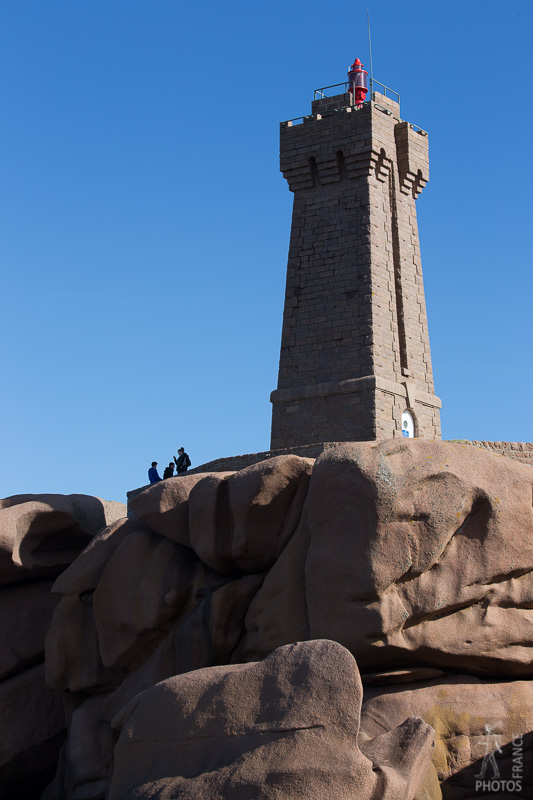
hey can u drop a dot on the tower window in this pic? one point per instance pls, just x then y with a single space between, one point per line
314 170
341 164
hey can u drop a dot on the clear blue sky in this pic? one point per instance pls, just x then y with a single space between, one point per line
145 225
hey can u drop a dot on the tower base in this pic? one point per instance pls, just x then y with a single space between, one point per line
357 410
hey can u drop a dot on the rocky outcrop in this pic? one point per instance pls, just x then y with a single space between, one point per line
414 556
285 727
409 552
40 535
471 717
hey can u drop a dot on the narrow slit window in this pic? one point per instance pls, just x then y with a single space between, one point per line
341 165
314 170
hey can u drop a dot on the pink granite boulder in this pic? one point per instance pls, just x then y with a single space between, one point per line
73 658
285 727
47 532
32 730
416 556
26 611
40 535
422 550
484 731
164 507
127 591
419 553
240 523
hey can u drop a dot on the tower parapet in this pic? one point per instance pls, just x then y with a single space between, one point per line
355 361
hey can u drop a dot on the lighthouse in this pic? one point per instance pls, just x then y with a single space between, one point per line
355 361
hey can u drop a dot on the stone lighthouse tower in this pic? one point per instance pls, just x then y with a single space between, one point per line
355 362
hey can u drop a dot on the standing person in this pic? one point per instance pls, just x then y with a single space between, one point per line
169 471
153 476
183 462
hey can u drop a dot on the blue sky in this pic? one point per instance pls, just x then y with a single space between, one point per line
145 223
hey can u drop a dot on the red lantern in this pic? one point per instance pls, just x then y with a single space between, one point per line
358 82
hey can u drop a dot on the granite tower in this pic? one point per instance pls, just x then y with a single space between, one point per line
355 361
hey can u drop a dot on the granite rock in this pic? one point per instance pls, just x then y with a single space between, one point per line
285 727
419 553
471 717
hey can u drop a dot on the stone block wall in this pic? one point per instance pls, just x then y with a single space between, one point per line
346 410
521 451
354 304
234 463
392 402
327 320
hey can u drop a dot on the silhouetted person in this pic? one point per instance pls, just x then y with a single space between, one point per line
169 471
153 476
183 462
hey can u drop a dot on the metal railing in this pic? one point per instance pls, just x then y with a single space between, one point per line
323 93
418 129
320 94
374 83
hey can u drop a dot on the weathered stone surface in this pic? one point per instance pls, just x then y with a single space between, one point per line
146 581
88 751
32 729
39 532
471 717
161 663
164 507
73 658
91 513
278 612
85 572
419 553
121 598
40 535
286 727
25 613
397 676
414 555
206 635
241 522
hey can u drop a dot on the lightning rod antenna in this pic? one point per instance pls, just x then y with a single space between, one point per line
370 51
